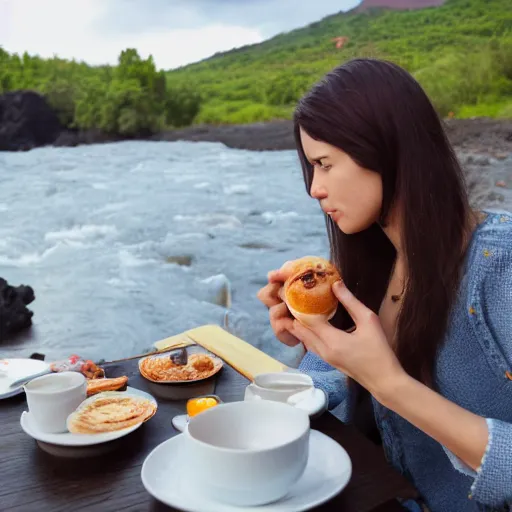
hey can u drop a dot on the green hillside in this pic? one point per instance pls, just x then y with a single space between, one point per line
460 52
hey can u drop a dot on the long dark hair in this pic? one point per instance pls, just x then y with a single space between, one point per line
378 114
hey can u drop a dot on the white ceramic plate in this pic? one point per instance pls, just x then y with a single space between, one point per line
327 473
70 439
14 369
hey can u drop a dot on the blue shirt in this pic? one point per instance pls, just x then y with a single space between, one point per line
474 370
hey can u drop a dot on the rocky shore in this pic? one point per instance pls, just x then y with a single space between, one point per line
26 122
485 136
480 136
269 136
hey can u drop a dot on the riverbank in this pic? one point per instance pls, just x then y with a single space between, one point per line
484 136
27 122
268 136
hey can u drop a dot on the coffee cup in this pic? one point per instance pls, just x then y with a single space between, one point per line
247 453
52 398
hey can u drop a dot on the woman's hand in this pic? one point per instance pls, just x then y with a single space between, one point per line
281 320
363 354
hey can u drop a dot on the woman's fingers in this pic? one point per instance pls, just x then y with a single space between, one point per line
281 323
310 339
323 339
277 276
279 312
287 338
356 309
282 274
269 294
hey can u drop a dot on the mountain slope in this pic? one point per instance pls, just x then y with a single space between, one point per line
461 52
397 4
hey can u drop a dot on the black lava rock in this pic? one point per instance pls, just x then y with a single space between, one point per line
14 314
26 121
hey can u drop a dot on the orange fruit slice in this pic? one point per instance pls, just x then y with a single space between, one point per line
198 405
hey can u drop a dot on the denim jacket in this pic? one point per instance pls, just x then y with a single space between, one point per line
474 370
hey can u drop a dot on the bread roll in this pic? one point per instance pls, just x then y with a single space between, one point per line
308 291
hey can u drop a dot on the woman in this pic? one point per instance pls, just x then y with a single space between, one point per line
425 322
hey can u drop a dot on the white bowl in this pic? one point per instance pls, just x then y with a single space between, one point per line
247 453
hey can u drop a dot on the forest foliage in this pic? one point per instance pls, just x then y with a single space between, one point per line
132 98
460 52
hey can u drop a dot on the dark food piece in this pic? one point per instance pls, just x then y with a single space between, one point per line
179 356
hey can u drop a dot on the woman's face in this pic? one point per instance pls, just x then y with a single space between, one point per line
349 193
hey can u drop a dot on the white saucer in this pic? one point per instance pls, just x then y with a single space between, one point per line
180 422
69 439
327 473
314 400
14 369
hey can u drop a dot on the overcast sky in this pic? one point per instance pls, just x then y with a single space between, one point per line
175 32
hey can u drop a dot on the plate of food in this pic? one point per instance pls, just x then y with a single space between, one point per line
180 366
12 370
100 418
14 373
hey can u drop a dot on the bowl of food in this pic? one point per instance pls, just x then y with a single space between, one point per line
179 366
181 373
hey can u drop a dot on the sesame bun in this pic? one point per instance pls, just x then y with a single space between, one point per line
308 291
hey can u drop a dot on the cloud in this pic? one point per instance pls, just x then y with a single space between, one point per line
175 32
71 30
269 16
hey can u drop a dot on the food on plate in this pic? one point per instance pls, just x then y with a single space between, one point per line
110 411
95 386
197 405
308 291
75 363
161 368
179 356
203 363
92 371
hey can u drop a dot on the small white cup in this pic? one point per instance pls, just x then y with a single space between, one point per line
52 398
278 386
247 453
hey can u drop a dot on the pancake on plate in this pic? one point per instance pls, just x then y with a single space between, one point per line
95 386
163 369
110 411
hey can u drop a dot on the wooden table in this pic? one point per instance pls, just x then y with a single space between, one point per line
33 480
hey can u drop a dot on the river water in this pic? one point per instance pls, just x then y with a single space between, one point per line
95 231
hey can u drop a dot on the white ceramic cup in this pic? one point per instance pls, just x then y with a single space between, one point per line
52 398
247 453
